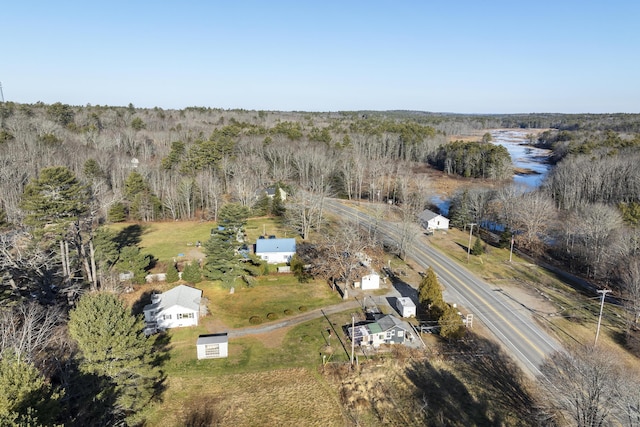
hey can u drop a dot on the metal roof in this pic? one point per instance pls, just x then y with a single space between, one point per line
276 245
427 215
184 296
212 339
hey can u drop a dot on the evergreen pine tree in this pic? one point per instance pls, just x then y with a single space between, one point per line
262 206
430 296
117 212
477 248
172 273
53 201
192 273
222 262
450 322
277 204
26 396
131 259
460 211
114 350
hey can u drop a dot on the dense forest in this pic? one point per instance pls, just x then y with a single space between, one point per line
67 170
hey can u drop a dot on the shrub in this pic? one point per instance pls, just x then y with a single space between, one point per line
255 320
478 248
272 316
192 273
303 308
172 273
287 312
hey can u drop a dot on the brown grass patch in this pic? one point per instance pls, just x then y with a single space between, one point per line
272 339
282 397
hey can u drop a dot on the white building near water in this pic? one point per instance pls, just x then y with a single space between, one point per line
177 307
433 221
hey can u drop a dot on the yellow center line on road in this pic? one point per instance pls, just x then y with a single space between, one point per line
484 302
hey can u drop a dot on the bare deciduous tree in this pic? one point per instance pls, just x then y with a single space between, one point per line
581 385
28 329
532 218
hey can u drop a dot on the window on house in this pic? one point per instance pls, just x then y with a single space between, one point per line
212 350
388 335
185 315
400 334
166 316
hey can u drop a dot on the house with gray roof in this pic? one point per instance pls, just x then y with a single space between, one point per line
433 221
275 251
177 307
386 330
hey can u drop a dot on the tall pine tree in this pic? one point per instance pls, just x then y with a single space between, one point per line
54 201
114 350
431 304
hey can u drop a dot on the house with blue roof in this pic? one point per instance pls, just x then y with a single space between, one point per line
275 251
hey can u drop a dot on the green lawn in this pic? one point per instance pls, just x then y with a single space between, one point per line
166 240
301 347
280 294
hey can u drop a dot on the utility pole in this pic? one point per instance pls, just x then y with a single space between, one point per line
469 245
1 93
603 292
353 337
511 250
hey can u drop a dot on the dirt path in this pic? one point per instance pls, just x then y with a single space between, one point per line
314 314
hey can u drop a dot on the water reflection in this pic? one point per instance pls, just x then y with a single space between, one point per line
531 163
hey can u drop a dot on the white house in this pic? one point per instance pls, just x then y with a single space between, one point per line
212 346
276 251
406 307
433 221
370 281
271 192
177 307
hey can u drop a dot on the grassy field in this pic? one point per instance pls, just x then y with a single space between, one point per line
279 295
167 240
268 379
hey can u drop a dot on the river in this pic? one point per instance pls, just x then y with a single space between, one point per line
531 164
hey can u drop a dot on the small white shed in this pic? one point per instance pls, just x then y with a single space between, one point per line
213 346
406 307
370 281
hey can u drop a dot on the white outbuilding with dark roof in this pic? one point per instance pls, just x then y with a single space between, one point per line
213 346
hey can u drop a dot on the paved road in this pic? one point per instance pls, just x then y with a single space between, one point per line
513 327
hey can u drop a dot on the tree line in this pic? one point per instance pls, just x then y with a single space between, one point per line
65 171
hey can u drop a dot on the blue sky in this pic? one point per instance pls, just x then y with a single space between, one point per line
462 57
